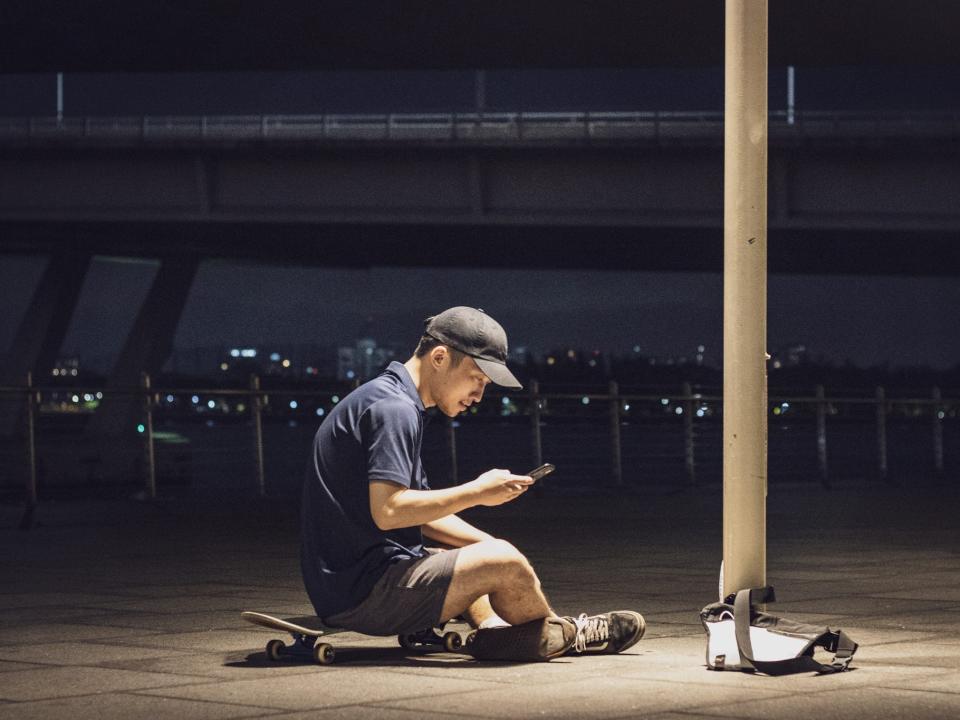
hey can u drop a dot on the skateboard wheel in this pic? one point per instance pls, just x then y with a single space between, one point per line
452 641
407 641
275 649
324 653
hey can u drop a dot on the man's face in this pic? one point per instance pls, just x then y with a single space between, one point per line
457 388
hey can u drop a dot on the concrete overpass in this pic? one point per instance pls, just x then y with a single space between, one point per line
849 193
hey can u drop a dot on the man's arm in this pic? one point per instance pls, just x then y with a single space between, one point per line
395 506
454 531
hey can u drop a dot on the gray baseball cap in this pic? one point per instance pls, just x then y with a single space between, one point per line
478 335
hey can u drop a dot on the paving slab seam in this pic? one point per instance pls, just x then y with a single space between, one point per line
261 709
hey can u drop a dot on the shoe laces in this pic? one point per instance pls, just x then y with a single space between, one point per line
590 629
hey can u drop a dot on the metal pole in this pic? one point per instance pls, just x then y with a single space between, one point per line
937 432
791 94
535 425
256 405
151 488
688 447
452 444
59 98
31 445
882 433
822 437
745 296
616 455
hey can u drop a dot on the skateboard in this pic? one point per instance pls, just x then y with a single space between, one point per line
306 631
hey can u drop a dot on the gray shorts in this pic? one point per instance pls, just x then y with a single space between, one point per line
408 598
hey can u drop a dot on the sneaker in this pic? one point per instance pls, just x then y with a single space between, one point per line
610 633
536 640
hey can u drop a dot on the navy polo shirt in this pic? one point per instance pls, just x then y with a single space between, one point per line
374 433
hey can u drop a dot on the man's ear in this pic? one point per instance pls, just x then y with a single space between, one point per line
437 356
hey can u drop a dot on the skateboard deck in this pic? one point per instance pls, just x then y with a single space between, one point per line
306 631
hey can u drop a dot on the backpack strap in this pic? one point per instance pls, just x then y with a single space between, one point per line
743 603
836 642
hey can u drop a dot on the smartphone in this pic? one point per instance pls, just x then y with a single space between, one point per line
544 469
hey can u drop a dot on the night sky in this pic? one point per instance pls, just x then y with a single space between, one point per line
867 320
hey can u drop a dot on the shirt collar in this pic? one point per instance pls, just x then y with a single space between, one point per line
401 372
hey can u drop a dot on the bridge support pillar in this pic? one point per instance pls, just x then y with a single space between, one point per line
113 429
42 330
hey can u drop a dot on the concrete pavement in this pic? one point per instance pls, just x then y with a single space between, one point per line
129 609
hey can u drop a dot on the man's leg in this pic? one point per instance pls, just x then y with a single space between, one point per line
496 569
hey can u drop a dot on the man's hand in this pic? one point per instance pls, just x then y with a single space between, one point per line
496 487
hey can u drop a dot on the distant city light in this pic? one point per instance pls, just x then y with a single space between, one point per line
664 401
211 404
335 399
248 353
679 410
235 353
551 361
626 408
56 372
99 396
76 398
286 363
241 407
585 400
776 410
700 412
73 372
169 398
195 399
593 363
293 405
941 415
224 366
321 412
636 348
351 374
275 357
505 401
141 428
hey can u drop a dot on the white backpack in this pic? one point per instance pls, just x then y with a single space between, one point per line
741 637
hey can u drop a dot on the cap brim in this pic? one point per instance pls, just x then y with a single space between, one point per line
498 373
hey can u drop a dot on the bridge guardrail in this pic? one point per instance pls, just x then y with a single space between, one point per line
492 127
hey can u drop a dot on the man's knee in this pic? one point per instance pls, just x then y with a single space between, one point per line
503 557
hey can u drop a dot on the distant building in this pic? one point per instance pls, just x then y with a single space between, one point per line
362 361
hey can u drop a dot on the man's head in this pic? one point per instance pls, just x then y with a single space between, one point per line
461 351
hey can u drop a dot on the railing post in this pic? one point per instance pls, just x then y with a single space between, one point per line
151 484
535 425
881 399
256 406
615 449
452 445
937 432
31 445
822 437
688 445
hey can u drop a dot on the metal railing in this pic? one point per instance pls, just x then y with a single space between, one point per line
536 408
471 127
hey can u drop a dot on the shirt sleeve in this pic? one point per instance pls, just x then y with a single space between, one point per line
390 432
